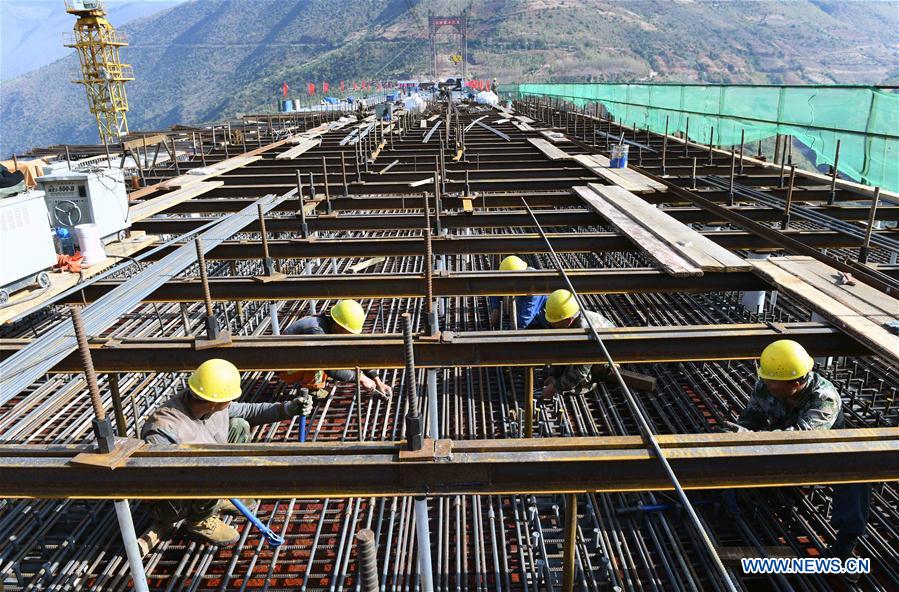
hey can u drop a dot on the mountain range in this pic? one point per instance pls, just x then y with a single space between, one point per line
205 60
31 31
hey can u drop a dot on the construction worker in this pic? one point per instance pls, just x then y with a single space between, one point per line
563 312
529 308
790 396
205 413
347 316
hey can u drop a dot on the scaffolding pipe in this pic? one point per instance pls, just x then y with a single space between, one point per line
132 551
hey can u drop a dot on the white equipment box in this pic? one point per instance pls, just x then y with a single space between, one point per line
26 243
97 197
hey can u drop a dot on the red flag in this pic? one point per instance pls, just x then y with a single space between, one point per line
341 86
284 89
325 87
311 88
355 86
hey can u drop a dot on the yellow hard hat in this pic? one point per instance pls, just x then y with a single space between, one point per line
349 315
513 263
561 305
784 360
215 380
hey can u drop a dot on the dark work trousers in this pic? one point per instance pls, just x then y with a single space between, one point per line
851 502
166 513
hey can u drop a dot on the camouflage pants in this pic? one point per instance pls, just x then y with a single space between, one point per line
167 513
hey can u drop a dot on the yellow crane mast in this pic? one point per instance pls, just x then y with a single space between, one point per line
102 73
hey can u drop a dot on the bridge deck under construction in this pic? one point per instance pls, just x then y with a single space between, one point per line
296 211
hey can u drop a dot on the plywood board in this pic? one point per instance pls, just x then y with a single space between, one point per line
668 259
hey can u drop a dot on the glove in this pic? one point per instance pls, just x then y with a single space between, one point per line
301 405
729 426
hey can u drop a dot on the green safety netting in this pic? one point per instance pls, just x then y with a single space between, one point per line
864 118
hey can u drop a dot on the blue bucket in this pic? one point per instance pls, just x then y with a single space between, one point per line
619 156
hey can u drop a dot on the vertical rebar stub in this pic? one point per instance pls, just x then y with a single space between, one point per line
367 556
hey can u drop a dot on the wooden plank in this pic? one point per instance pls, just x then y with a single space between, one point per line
554 137
862 298
299 149
857 326
422 182
145 209
551 152
665 228
692 245
389 166
669 260
214 171
630 176
142 141
366 264
610 175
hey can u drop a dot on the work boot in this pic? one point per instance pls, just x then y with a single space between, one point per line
226 507
148 541
213 531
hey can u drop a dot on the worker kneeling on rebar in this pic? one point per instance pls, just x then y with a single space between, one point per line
563 312
528 309
345 317
789 395
205 413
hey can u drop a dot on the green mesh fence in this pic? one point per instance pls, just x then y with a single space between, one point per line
864 118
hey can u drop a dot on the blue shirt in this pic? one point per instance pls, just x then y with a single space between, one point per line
530 310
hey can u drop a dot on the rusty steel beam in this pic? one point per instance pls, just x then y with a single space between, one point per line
587 281
484 348
493 244
398 188
564 465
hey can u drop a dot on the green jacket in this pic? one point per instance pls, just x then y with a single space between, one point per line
819 408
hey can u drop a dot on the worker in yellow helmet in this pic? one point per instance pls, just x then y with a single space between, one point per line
529 308
205 413
345 317
789 395
563 312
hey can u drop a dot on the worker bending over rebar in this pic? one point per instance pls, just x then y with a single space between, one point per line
528 309
205 413
789 395
345 317
563 312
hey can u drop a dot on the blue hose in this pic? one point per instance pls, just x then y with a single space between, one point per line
302 428
273 539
